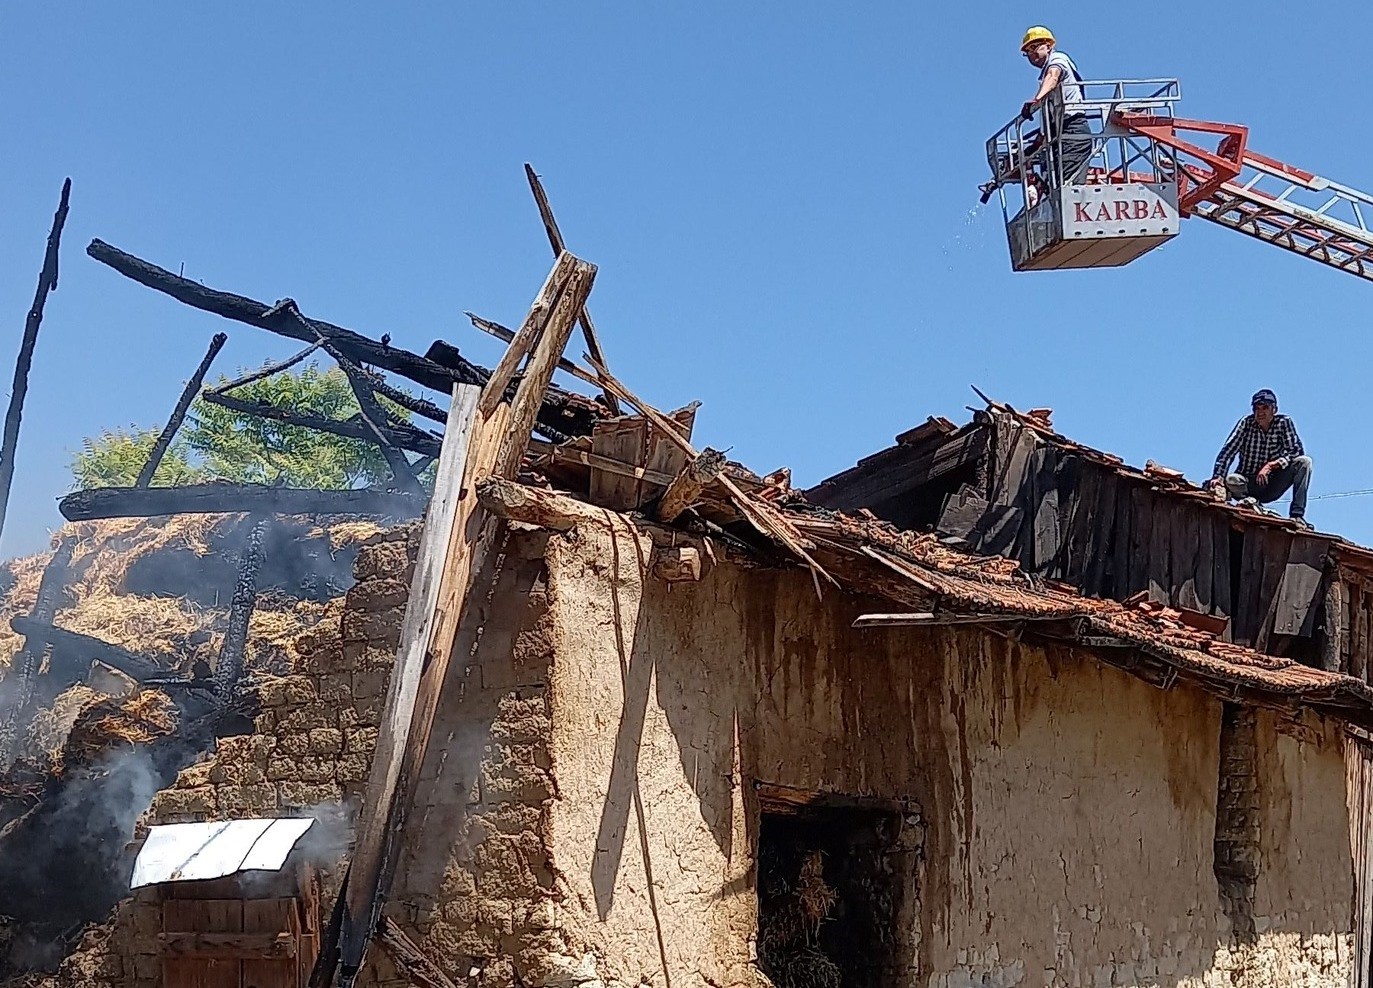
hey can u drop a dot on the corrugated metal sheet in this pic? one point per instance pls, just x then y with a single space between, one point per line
183 852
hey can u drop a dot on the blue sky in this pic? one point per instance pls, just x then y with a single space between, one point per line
781 199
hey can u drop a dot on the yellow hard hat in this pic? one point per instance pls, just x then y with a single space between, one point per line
1035 35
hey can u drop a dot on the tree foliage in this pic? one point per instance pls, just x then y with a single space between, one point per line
217 443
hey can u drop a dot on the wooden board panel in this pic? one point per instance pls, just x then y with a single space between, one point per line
962 512
1086 489
624 439
1206 560
1222 593
1012 467
271 916
1042 531
201 916
1121 547
1301 588
1247 591
1361 623
1277 545
1160 549
1142 522
665 456
1355 658
1183 558
1099 543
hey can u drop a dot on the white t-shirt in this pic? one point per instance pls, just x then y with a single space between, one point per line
1072 92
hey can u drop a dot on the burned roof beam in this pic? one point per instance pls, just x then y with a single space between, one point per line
406 437
930 619
148 502
74 652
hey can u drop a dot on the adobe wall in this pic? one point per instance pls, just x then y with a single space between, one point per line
1070 809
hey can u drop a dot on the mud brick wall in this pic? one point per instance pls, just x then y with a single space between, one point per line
311 749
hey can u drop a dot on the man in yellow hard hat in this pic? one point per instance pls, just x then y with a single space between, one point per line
1058 71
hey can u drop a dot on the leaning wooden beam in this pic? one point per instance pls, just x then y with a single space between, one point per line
421 612
145 476
496 447
687 486
47 282
376 421
406 437
761 516
408 957
229 666
76 651
420 406
508 335
513 501
528 333
147 502
555 240
275 319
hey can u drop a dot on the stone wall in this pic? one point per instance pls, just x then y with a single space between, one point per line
310 750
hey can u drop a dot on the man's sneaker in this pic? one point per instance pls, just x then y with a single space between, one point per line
1252 503
1302 524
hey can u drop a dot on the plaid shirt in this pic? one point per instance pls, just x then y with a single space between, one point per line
1256 447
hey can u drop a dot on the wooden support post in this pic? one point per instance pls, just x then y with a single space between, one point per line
1332 627
229 666
695 477
555 240
496 447
47 282
508 336
145 476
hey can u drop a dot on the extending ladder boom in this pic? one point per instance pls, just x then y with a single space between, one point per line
1262 197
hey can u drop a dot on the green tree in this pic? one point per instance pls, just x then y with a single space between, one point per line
217 443
115 458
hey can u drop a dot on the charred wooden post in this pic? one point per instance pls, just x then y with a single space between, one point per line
148 502
374 417
403 436
687 486
47 282
34 653
229 667
555 240
562 411
145 476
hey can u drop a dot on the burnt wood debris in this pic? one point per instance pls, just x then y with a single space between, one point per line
1000 524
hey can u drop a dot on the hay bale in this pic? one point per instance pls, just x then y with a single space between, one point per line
111 722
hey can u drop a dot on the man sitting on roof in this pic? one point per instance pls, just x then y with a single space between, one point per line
1272 460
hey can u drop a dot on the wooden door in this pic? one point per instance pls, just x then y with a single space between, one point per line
230 943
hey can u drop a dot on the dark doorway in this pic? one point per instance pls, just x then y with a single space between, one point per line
832 884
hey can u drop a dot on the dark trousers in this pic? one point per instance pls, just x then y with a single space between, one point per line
1296 476
1075 147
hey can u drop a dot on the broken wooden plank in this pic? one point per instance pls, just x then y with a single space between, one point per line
188 393
1222 569
1121 536
500 332
572 454
1161 547
1276 548
1300 590
47 282
1141 535
760 515
907 469
421 614
1101 531
687 486
555 240
409 958
528 334
227 946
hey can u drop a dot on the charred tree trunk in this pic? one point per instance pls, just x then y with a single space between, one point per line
47 282
145 476
229 668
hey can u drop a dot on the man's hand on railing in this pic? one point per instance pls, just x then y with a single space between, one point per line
1027 111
